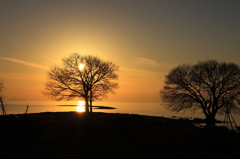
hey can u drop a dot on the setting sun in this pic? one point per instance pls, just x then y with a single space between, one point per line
145 72
81 66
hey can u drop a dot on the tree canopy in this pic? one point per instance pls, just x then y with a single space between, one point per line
82 76
213 87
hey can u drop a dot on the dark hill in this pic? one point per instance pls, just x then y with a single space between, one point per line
102 135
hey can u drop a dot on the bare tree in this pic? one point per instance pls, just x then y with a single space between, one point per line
85 77
2 88
210 86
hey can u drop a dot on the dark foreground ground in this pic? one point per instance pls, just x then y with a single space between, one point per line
100 135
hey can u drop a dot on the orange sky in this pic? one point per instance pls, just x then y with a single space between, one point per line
145 38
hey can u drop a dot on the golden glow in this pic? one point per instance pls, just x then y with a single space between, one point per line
81 103
81 106
81 66
80 109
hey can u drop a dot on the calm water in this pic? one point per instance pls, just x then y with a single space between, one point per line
153 109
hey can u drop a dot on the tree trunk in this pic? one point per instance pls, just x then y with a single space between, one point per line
86 105
90 106
210 120
91 101
3 107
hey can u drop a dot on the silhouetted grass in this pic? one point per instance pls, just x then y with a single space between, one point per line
105 135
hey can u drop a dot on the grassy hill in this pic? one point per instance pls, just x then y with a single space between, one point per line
105 135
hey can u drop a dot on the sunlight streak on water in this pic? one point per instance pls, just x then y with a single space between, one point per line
80 109
81 106
82 103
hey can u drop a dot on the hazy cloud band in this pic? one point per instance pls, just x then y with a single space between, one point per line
145 61
46 57
23 62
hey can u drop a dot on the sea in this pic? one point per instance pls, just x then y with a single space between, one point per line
150 109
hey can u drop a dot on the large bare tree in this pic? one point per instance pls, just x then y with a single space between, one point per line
211 86
81 76
2 88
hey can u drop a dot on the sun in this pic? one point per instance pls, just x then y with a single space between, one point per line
81 66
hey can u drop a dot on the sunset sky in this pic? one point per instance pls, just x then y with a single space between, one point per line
146 38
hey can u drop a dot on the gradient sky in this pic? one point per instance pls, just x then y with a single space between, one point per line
146 38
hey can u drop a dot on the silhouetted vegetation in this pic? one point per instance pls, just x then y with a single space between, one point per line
85 77
210 86
2 87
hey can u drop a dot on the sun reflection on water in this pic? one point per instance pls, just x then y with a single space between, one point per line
80 109
81 106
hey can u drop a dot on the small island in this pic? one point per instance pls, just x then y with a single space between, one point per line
95 107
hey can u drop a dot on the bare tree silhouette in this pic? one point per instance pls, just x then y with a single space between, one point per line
85 77
2 88
210 86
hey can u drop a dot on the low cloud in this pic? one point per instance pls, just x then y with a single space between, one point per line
24 62
145 61
46 57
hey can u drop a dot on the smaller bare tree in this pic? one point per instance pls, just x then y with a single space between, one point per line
2 88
